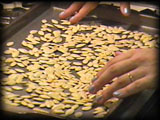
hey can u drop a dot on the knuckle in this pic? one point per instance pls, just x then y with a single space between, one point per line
98 83
106 94
138 59
113 69
127 91
120 82
137 85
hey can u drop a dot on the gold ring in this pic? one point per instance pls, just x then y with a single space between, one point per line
130 77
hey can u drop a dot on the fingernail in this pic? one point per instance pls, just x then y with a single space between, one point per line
126 11
99 99
94 79
61 14
71 18
117 94
91 89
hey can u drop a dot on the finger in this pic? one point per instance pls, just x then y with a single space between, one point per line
125 8
71 10
132 88
112 72
116 59
121 57
118 53
88 7
120 82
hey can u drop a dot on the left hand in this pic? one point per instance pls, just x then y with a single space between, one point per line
135 70
84 8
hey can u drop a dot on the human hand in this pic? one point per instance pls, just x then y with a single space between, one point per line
84 8
136 70
125 8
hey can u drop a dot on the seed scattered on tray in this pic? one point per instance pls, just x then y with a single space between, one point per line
44 21
78 114
55 66
10 44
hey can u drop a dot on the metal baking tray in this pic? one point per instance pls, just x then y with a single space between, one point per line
20 28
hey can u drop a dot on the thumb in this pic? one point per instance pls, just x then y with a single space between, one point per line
125 8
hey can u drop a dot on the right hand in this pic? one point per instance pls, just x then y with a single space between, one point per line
84 8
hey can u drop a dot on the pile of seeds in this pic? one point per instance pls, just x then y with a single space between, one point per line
55 65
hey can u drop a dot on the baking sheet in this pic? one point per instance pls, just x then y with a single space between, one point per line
18 38
53 12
